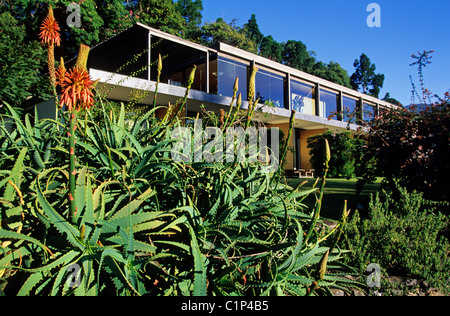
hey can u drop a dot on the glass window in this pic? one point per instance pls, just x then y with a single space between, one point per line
349 109
125 54
213 71
328 104
368 112
178 61
270 87
303 98
228 71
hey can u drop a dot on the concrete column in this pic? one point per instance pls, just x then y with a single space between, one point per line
318 99
149 54
287 92
207 72
340 106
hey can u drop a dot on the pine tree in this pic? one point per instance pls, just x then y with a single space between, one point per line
365 77
252 31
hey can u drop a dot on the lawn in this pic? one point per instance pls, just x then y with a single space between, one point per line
336 192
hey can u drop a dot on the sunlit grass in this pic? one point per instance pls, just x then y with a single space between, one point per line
339 190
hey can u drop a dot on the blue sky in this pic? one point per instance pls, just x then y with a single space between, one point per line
337 31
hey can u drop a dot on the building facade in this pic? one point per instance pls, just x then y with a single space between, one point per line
128 63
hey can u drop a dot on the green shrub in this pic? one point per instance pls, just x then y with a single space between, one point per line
404 236
344 147
411 144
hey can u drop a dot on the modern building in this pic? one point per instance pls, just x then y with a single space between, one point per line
121 65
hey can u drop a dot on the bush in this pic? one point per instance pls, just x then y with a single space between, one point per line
344 147
404 236
412 144
413 147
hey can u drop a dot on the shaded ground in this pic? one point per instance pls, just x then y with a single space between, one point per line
336 192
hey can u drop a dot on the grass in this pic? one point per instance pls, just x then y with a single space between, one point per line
336 192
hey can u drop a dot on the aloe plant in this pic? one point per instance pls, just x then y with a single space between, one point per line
146 224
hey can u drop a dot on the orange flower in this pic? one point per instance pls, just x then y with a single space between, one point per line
77 90
50 30
61 72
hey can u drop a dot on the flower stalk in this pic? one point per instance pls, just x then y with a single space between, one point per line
76 96
50 37
159 69
327 158
182 107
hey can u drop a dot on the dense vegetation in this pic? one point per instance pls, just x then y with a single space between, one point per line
346 149
99 207
405 234
406 229
92 203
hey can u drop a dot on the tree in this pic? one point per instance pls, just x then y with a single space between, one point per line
365 77
296 55
116 17
332 72
98 18
271 49
411 145
161 14
343 146
388 98
252 31
21 63
220 31
191 11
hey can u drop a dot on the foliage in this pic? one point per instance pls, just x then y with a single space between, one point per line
332 72
413 147
252 30
296 56
21 62
391 100
99 20
271 49
422 60
365 77
404 236
191 11
344 147
220 31
147 224
411 144
161 14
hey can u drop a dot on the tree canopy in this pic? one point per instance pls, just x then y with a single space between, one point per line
365 78
21 63
228 33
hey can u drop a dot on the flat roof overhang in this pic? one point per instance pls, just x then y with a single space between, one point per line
121 88
226 50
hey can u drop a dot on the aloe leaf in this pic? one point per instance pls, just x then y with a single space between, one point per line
13 235
58 221
15 175
133 205
30 283
199 266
